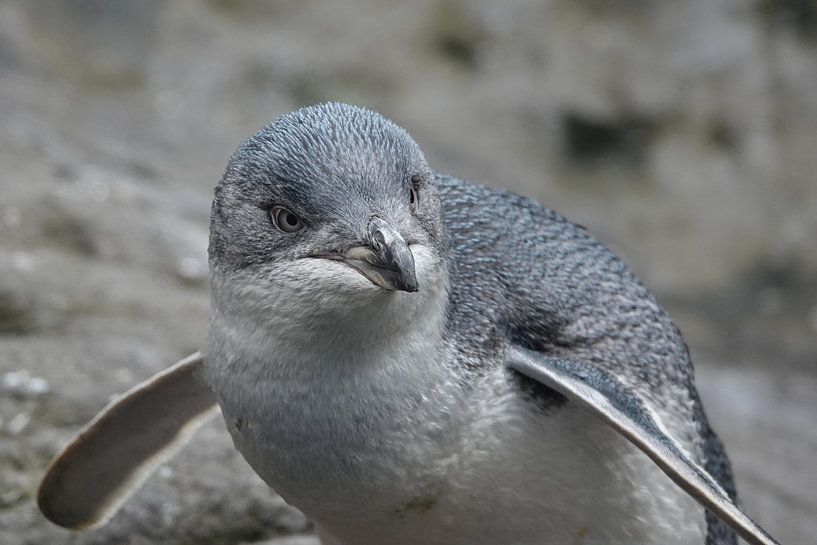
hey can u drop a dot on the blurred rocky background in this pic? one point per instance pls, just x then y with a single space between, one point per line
683 134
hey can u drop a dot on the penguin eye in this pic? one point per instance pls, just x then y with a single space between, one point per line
414 195
285 220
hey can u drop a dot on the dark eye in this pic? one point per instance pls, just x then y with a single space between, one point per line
285 220
414 196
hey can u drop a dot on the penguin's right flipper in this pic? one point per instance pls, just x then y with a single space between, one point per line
113 455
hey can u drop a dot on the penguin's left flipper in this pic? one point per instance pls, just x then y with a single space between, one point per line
116 452
630 414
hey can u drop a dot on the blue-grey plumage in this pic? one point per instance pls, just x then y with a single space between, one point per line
562 293
370 378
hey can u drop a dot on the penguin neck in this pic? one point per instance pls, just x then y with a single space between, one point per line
399 333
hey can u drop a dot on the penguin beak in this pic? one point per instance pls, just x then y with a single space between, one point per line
385 260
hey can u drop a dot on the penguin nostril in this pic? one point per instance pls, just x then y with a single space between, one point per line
378 240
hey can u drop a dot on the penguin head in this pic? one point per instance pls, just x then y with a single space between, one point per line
328 209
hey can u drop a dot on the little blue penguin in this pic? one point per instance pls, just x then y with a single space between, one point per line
414 359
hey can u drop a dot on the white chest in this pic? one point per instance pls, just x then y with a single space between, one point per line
381 453
318 421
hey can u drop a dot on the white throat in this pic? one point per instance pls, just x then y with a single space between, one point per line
318 317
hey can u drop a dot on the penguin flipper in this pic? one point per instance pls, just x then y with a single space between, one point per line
630 414
115 453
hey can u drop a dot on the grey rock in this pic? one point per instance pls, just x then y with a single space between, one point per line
291 540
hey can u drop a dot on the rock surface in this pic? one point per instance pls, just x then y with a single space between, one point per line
680 133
